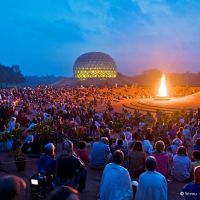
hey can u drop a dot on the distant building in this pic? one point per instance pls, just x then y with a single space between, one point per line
94 65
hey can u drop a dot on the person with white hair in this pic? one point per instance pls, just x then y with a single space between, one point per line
47 161
70 170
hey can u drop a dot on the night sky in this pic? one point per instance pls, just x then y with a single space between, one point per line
45 37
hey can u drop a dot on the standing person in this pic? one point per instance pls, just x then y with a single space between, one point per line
116 181
181 165
152 185
161 157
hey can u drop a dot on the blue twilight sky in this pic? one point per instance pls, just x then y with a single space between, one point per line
46 36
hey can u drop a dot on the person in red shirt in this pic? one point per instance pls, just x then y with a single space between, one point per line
82 152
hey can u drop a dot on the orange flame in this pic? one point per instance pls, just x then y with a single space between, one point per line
162 92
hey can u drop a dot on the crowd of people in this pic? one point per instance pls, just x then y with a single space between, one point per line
139 153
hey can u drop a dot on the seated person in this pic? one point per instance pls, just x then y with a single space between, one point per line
152 185
162 158
29 146
64 193
196 158
82 152
12 188
136 159
197 145
182 167
70 169
47 161
100 154
193 187
116 181
119 146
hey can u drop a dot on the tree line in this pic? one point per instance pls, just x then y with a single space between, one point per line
11 75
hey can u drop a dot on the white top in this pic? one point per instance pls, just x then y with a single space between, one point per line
116 183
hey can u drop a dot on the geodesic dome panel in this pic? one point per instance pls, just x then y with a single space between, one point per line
94 65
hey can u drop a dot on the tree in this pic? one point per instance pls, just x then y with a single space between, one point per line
11 75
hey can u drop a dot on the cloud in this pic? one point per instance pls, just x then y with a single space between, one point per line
139 34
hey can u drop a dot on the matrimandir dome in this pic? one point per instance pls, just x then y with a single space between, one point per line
96 65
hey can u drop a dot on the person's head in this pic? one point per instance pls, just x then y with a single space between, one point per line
137 146
179 134
13 119
29 139
196 155
118 157
104 140
11 187
150 163
122 136
64 193
106 131
181 129
181 151
160 146
128 129
49 149
197 175
68 146
149 131
120 142
82 145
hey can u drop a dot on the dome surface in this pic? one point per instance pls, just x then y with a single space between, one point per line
94 65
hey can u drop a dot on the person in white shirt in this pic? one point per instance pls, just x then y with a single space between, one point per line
152 185
116 182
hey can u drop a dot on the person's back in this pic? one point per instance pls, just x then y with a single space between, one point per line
136 160
161 157
71 163
47 162
100 154
116 181
162 162
70 169
82 153
181 165
152 185
191 191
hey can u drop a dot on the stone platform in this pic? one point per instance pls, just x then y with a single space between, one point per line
169 105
